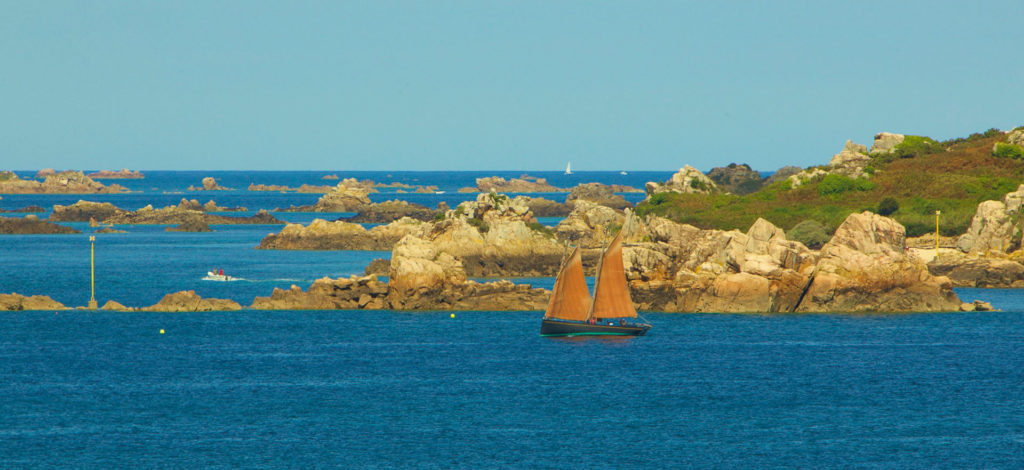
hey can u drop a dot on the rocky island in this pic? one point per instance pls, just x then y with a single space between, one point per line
65 182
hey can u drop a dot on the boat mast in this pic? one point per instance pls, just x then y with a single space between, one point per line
597 283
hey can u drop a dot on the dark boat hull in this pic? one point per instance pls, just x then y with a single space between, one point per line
571 328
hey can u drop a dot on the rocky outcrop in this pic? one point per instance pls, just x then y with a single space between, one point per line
305 188
687 180
497 236
328 294
209 184
173 215
885 143
523 184
864 267
969 271
82 211
189 301
1016 137
597 193
390 211
995 226
736 179
783 173
123 173
115 306
806 176
190 226
211 206
589 225
688 269
331 176
343 198
541 207
65 182
850 161
379 267
423 277
15 301
30 224
23 210
341 235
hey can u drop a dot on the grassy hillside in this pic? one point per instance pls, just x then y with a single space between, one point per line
922 177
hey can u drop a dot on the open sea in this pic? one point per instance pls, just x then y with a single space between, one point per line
385 389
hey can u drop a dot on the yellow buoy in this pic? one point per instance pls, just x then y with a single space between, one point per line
453 315
161 331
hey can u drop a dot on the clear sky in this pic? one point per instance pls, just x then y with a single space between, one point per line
484 85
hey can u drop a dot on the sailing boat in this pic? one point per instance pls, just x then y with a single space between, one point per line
568 168
571 311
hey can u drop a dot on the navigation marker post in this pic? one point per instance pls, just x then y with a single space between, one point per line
92 271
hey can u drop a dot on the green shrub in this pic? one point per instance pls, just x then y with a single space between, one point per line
657 199
833 184
480 225
915 145
539 227
887 206
1005 150
786 185
809 232
438 216
869 170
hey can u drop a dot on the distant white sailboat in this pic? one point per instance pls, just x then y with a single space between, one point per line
623 172
568 168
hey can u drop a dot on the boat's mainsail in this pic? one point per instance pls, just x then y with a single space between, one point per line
611 295
570 299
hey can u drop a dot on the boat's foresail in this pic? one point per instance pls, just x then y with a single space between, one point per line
570 299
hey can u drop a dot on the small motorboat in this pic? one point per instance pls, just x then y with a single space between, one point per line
212 276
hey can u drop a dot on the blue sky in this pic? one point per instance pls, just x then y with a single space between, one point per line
481 85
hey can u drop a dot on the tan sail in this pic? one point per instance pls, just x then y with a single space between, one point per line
570 299
611 295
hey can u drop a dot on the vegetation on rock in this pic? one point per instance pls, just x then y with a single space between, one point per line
953 176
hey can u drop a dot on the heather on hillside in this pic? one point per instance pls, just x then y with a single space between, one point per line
922 177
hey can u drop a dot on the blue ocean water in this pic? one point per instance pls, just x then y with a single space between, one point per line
390 389
359 389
